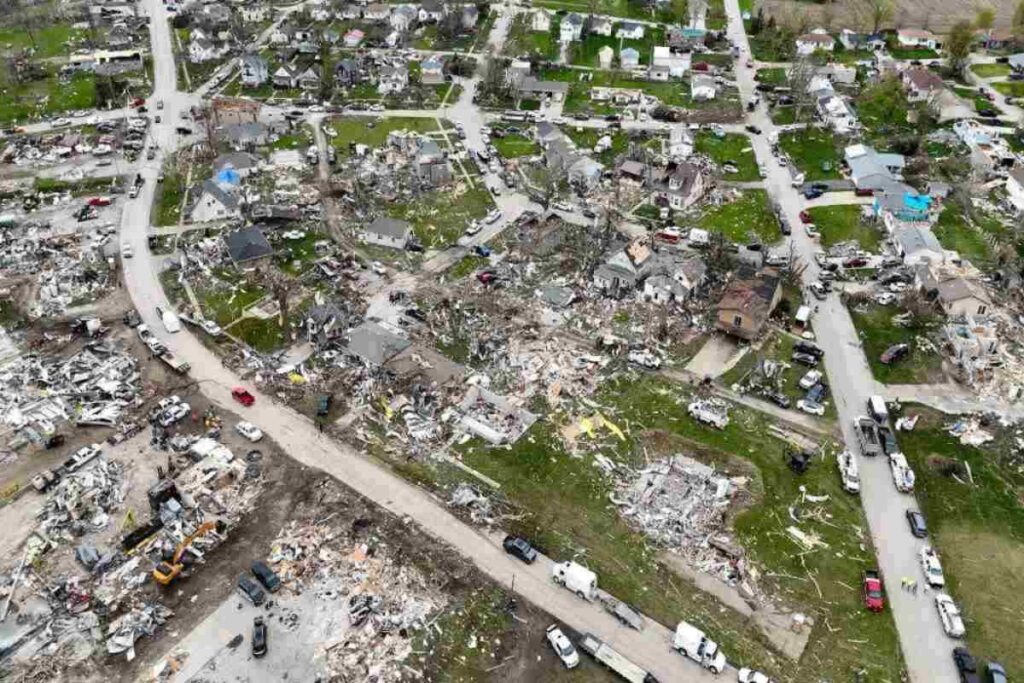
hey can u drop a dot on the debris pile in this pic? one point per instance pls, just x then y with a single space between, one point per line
128 628
82 501
386 603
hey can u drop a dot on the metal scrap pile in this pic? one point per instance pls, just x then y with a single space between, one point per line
386 603
82 501
681 504
98 383
128 628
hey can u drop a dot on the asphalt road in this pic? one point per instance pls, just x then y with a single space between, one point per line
650 648
926 648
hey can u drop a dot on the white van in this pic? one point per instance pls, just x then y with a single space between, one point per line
876 406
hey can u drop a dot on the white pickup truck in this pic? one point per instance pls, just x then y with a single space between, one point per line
691 642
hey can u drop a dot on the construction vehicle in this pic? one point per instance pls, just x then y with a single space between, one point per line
165 572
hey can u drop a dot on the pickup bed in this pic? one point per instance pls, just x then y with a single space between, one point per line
867 434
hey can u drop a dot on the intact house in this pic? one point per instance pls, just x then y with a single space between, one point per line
678 185
353 38
629 58
213 202
432 11
1015 188
918 245
285 76
392 79
917 38
871 170
248 246
809 43
432 70
601 26
310 78
854 40
254 13
540 21
571 28
202 49
388 232
747 303
531 88
675 65
254 71
629 30
921 84
901 206
377 13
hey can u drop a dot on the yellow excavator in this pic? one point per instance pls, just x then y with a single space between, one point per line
165 572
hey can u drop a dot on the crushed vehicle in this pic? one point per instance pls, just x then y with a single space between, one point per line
848 471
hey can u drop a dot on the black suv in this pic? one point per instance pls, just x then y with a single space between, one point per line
807 347
259 637
251 590
519 547
917 524
965 665
266 576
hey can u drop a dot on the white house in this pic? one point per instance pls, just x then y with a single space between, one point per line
1015 187
377 12
921 84
393 79
702 87
431 11
915 37
213 203
202 49
540 21
809 43
918 245
571 28
388 232
280 35
605 56
664 58
601 26
254 13
403 19
630 31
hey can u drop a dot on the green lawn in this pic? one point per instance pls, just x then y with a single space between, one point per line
227 302
522 40
913 53
843 223
299 139
168 197
586 139
877 332
265 336
50 95
465 266
955 232
814 151
438 218
513 146
734 148
613 8
978 529
374 132
562 506
779 347
773 45
584 53
744 220
55 40
991 70
294 256
1010 88
772 76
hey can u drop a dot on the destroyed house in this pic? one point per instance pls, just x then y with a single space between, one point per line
247 246
374 345
747 303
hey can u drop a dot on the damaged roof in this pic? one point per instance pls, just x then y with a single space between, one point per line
247 244
374 344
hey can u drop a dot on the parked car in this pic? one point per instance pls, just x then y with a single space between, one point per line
811 378
966 666
259 637
888 440
811 193
779 399
753 129
874 591
251 590
811 407
819 291
949 615
805 217
808 347
249 431
932 568
995 673
243 396
805 359
127 251
746 675
519 547
266 576
855 262
817 393
917 524
563 647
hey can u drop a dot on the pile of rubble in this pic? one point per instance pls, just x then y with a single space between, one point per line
82 501
97 384
682 504
128 628
386 603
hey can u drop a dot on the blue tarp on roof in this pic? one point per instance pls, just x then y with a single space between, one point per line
917 202
228 176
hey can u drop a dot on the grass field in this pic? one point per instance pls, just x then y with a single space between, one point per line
586 138
954 232
438 218
584 52
54 40
877 332
734 148
51 95
374 132
226 304
744 220
814 151
562 503
842 223
772 76
1010 88
523 41
265 336
991 70
513 146
612 8
168 197
978 530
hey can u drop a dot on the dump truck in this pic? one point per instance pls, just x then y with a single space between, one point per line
691 642
165 572
604 653
576 578
867 434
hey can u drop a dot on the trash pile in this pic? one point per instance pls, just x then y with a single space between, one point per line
682 504
124 631
82 501
969 432
98 383
386 603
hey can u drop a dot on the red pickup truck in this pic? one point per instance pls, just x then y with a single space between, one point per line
874 593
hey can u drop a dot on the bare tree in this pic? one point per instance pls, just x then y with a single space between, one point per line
799 78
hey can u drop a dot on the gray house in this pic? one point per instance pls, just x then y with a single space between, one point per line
388 232
247 246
